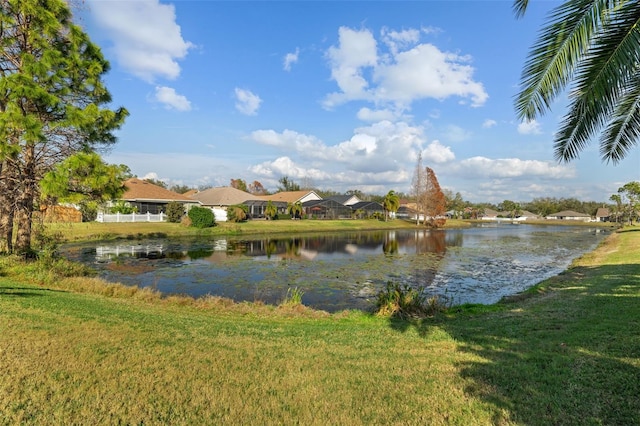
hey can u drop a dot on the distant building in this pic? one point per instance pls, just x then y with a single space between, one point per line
569 215
219 199
603 214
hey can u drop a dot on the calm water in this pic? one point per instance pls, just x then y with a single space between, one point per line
346 270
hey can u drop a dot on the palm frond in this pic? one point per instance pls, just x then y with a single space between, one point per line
520 7
623 131
554 57
574 133
602 78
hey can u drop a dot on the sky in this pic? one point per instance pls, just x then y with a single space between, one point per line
337 95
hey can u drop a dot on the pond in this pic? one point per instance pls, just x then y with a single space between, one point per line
346 270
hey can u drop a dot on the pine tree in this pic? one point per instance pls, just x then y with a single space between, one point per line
52 105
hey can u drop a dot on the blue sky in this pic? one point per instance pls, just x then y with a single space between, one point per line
336 94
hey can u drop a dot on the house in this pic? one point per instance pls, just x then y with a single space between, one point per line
569 215
490 214
527 215
326 209
220 198
146 197
405 211
603 214
292 196
368 208
345 200
258 207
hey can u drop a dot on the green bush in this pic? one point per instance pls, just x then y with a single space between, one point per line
89 211
123 207
202 217
175 211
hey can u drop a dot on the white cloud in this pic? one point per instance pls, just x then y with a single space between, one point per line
427 72
366 114
372 182
437 153
488 123
383 147
531 127
152 175
482 167
409 71
396 40
355 50
171 100
284 166
287 140
290 58
147 41
247 102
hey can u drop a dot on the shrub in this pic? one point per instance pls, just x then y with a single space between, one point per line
403 301
202 217
123 207
237 213
175 211
89 211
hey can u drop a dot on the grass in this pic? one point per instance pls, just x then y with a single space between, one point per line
76 351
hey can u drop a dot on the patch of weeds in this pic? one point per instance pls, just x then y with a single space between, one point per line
293 297
405 302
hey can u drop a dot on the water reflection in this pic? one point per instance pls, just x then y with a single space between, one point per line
293 247
345 270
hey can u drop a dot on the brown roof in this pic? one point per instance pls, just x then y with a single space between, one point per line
223 196
190 193
138 189
527 213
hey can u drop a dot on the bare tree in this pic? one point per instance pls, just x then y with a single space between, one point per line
418 187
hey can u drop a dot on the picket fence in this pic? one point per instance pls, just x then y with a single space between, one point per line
132 217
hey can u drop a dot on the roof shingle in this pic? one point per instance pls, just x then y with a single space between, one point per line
138 189
223 196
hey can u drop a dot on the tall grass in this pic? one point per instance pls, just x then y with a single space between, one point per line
293 297
405 302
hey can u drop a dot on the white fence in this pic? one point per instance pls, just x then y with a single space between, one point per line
219 214
133 217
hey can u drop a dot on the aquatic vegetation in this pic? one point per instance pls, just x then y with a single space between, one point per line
293 297
404 302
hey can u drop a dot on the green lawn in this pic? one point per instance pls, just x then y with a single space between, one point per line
77 351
